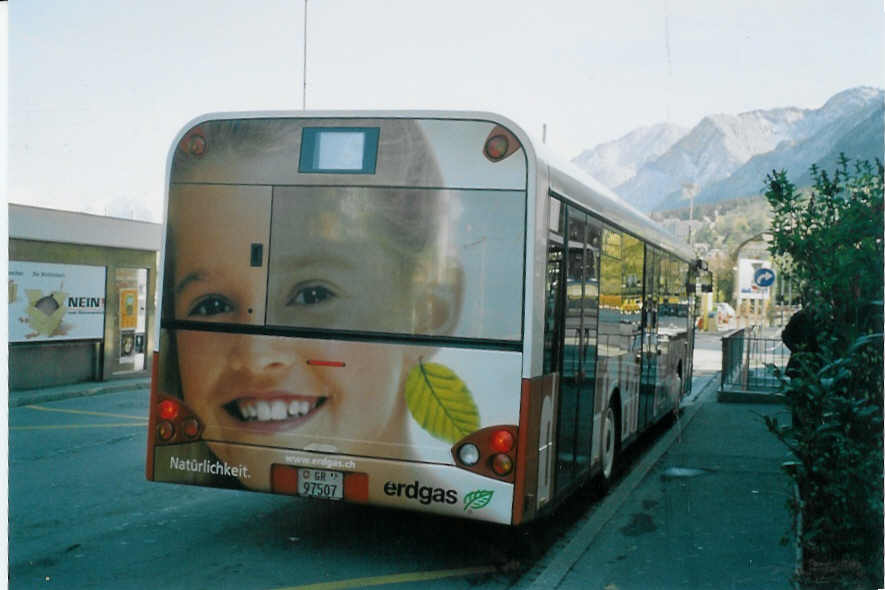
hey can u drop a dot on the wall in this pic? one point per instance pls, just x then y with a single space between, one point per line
44 364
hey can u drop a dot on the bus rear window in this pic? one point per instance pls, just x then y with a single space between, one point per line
428 262
338 150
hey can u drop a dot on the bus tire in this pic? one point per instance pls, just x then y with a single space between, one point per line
610 444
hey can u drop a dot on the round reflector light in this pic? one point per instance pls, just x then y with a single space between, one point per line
502 441
502 464
165 430
191 427
197 145
496 147
168 409
468 454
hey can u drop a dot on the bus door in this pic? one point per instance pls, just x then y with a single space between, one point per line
578 376
650 353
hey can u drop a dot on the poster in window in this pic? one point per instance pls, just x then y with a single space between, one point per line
55 301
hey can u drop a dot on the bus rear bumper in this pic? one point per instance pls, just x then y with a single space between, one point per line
425 487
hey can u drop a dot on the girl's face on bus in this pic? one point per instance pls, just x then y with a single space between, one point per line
258 389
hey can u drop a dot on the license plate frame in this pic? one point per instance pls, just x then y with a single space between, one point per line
320 483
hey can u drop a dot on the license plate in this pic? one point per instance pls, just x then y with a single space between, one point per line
319 483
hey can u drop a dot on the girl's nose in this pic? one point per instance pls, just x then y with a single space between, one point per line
263 354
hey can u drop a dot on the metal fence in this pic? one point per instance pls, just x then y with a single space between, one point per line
749 361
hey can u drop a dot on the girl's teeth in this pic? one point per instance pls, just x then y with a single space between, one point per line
247 410
263 408
278 410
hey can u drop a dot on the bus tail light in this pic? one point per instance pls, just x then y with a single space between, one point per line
496 147
165 431
468 454
502 441
168 409
490 452
500 143
176 423
502 464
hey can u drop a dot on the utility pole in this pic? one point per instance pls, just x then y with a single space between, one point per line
690 189
304 68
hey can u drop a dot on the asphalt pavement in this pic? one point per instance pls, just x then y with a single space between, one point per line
704 508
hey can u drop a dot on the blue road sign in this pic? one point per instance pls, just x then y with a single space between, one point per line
763 277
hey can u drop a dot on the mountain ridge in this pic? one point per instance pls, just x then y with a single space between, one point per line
726 156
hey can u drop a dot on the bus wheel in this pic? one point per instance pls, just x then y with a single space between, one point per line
609 445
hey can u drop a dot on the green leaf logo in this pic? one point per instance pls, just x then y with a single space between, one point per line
478 499
440 402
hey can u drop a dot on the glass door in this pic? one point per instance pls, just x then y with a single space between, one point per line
131 334
650 345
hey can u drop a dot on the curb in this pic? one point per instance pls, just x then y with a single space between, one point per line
554 572
38 396
748 397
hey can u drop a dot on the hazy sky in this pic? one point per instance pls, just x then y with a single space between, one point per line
98 89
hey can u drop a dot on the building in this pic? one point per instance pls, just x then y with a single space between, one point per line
82 297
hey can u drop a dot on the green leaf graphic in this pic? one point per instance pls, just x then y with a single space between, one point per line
440 402
478 499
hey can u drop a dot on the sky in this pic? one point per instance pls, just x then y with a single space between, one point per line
98 90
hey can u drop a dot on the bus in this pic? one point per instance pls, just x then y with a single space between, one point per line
415 309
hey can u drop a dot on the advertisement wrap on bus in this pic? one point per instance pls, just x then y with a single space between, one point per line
353 309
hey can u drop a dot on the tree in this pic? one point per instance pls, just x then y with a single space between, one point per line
832 238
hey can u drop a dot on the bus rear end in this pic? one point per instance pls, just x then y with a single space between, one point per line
341 315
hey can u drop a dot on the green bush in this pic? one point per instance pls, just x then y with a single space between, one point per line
832 238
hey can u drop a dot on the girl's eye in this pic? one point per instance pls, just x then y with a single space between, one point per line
211 305
311 295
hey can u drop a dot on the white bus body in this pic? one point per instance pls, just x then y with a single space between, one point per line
411 309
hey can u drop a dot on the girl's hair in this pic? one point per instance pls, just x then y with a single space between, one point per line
410 217
410 213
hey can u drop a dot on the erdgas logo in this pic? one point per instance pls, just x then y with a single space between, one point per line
424 494
477 499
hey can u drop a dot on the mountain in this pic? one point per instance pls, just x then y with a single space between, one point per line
615 162
845 124
728 156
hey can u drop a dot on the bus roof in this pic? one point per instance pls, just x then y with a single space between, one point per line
570 182
565 179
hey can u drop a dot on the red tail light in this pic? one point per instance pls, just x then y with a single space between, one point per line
168 409
500 144
165 431
490 451
176 423
502 441
496 147
191 427
502 464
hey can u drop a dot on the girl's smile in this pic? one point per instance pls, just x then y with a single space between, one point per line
282 409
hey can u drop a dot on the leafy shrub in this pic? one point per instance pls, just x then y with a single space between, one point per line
832 237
